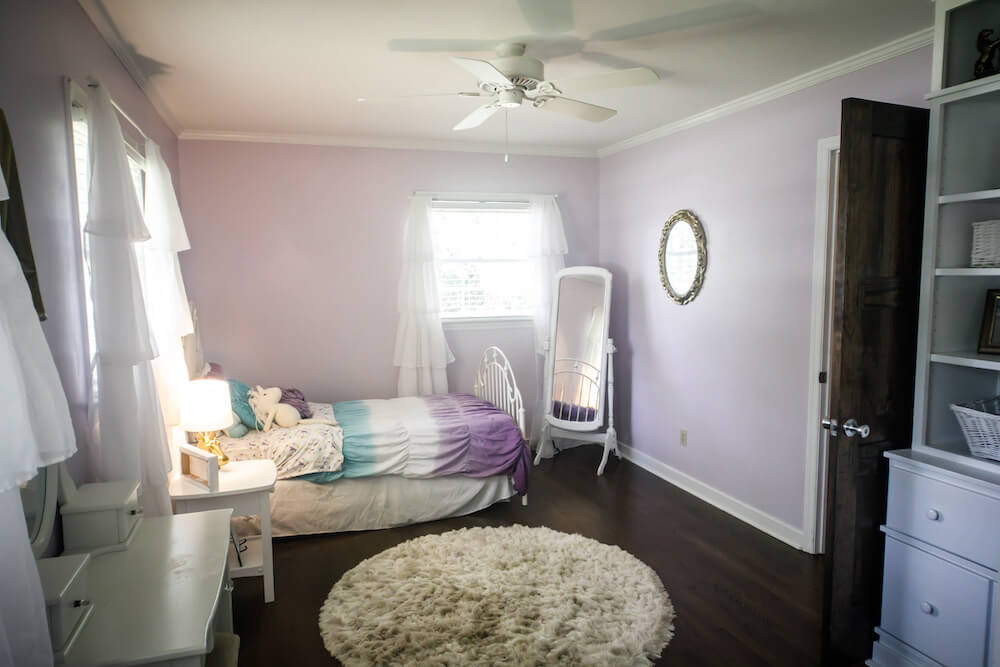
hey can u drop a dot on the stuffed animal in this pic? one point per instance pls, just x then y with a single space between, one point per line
270 411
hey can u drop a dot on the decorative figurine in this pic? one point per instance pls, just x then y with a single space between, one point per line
987 48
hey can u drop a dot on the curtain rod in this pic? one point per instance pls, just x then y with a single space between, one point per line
124 115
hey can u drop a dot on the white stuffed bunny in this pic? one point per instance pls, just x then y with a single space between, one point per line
269 410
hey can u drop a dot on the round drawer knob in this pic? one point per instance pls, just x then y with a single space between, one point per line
933 514
926 607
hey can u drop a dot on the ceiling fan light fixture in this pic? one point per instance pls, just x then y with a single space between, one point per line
510 99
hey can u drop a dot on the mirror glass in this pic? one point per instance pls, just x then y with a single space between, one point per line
33 500
579 347
682 256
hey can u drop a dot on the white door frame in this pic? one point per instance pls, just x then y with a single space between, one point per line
813 528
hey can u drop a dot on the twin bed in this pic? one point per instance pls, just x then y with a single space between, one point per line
397 461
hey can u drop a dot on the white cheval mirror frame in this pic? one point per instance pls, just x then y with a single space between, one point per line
579 366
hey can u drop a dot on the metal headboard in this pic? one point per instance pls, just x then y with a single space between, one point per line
495 383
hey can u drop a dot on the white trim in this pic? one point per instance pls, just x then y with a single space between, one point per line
99 17
384 142
471 323
853 63
814 496
760 520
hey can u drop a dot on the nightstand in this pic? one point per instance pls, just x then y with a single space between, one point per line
244 487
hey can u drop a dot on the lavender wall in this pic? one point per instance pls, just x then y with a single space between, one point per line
40 44
296 253
732 366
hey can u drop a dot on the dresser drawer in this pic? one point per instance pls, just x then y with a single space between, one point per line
938 608
949 517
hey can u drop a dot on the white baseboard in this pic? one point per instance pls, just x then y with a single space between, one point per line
760 520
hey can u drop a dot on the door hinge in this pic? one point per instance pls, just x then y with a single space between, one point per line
822 377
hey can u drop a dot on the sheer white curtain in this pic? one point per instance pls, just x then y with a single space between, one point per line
422 353
549 260
37 432
162 284
128 439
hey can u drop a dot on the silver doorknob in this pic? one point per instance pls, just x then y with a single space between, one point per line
852 428
830 425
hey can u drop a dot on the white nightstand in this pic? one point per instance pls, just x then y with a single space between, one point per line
244 487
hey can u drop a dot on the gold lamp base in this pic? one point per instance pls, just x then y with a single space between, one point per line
210 443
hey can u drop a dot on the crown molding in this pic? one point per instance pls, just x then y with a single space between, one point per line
98 16
858 61
380 142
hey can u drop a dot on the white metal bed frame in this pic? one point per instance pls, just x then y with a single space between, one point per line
495 382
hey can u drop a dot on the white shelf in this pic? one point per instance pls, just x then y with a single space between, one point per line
968 272
253 559
990 362
964 91
978 195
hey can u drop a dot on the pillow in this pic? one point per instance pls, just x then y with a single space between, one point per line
238 397
297 400
237 430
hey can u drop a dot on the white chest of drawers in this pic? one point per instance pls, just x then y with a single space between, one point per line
942 554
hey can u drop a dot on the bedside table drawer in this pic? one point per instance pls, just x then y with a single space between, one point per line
936 607
949 517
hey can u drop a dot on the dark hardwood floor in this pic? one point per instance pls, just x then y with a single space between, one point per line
741 597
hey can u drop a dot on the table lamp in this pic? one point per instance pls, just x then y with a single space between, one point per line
205 410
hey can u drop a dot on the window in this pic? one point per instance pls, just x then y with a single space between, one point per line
482 252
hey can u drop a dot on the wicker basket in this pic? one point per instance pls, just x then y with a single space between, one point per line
980 422
985 244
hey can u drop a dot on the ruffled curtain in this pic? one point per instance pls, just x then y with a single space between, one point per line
37 432
128 439
549 260
163 290
422 353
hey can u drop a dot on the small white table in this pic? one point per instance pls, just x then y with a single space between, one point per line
245 488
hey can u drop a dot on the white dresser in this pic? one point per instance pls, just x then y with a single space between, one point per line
161 600
942 554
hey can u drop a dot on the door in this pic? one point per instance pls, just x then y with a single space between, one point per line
876 284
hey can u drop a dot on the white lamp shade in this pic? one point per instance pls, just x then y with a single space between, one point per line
205 406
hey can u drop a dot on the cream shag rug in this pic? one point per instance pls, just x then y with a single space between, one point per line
514 595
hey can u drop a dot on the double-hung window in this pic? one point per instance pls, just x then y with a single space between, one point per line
483 255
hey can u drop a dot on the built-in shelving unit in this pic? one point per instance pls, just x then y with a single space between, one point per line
979 195
963 187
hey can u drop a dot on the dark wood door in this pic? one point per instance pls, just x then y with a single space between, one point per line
880 201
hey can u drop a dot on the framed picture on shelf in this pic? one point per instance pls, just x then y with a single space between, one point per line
989 331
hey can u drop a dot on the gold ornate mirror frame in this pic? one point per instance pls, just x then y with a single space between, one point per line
691 219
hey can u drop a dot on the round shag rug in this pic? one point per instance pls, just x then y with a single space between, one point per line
513 595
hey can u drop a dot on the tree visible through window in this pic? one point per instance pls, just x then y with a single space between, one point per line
483 260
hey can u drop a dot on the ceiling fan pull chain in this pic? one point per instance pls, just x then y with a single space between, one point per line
506 135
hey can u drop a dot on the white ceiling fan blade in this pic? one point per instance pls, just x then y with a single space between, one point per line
482 70
623 78
381 98
477 117
692 18
577 109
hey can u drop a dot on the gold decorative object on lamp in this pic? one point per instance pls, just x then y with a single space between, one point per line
205 410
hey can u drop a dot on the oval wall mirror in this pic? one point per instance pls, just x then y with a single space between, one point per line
683 256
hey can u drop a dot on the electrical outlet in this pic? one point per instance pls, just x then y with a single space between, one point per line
684 437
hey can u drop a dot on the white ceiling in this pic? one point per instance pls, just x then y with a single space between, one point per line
296 67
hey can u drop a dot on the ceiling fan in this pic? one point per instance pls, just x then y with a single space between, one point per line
513 79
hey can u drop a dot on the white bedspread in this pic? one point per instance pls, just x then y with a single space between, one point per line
298 450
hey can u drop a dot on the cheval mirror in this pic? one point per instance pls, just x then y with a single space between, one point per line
579 371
